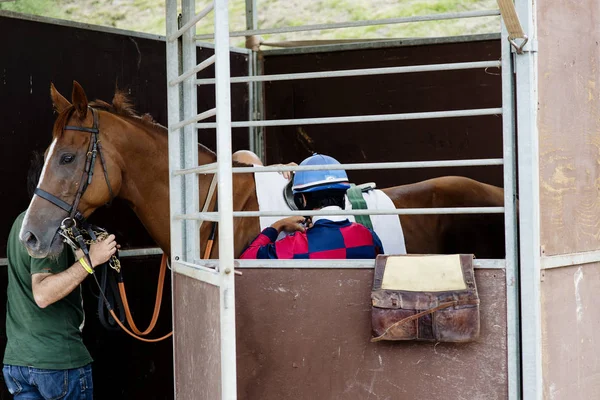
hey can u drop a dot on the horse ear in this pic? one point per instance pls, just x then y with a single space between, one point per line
79 100
58 101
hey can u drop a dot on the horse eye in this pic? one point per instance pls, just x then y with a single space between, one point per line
67 158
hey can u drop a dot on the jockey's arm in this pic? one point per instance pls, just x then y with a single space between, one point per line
263 247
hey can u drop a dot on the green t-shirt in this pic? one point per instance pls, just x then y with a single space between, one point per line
50 337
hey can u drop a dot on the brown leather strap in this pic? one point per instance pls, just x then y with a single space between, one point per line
157 302
112 312
413 317
208 250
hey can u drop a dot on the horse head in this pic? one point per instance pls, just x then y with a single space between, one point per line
66 191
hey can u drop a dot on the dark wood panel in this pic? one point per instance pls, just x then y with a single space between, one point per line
99 61
434 139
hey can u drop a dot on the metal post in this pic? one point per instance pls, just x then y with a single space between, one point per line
190 109
226 266
529 206
510 222
255 103
175 149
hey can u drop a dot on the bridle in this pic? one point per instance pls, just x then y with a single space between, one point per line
94 149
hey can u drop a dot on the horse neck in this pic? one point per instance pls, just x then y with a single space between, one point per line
244 199
145 185
144 162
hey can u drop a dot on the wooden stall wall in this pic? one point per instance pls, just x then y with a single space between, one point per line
304 334
42 53
569 137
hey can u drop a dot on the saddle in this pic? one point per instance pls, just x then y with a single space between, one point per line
425 298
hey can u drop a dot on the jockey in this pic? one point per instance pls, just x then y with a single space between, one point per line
330 237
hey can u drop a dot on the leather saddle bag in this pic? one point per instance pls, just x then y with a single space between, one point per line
428 298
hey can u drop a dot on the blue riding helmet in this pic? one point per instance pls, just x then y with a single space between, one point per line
312 181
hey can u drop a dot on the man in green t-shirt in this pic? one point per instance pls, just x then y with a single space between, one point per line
45 357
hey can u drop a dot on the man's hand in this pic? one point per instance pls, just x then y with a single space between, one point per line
100 252
291 224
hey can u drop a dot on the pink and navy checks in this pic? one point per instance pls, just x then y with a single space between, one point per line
325 240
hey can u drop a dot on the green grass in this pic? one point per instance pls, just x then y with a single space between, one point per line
149 16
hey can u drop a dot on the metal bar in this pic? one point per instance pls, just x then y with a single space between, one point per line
197 272
359 72
529 209
213 216
203 65
510 225
478 263
190 150
232 49
380 44
225 201
383 165
193 21
79 25
354 24
569 260
339 264
361 118
211 168
201 169
206 114
175 140
149 251
253 88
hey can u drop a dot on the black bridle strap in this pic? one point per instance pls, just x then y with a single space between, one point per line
88 172
53 199
93 129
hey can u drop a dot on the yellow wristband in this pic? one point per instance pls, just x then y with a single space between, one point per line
85 265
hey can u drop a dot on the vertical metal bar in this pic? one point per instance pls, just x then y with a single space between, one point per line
175 152
259 133
226 267
510 222
251 103
190 109
256 142
529 206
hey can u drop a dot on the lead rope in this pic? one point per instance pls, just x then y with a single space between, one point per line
74 237
157 301
161 277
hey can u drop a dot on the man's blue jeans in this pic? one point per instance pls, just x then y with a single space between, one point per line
27 383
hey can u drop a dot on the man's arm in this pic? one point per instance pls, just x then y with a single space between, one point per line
50 288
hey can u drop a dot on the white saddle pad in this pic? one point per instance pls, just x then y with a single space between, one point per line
269 190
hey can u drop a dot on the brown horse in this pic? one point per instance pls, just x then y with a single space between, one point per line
135 156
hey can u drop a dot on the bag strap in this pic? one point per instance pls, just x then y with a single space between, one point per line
413 317
358 203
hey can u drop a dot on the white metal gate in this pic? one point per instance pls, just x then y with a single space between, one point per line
219 370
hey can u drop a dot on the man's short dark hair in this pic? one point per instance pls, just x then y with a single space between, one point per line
34 172
325 198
